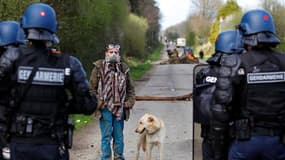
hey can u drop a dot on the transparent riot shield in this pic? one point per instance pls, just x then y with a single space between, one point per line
198 119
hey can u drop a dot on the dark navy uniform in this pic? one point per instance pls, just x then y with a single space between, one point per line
41 115
256 85
260 122
215 136
47 87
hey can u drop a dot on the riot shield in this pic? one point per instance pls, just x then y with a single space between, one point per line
200 73
203 88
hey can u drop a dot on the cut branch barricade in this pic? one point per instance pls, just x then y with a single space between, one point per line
181 60
187 97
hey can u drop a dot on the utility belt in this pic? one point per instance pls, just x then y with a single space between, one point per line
27 127
243 129
213 136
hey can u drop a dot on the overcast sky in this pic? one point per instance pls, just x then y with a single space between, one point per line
176 11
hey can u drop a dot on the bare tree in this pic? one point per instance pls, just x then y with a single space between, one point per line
205 12
200 26
207 8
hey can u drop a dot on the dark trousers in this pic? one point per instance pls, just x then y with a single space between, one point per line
23 151
207 150
258 148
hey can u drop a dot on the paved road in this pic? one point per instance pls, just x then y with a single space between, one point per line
162 80
167 80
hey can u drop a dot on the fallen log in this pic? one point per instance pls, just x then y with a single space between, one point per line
181 60
186 97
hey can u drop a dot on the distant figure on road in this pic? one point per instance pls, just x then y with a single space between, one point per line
169 52
175 53
187 50
111 81
201 54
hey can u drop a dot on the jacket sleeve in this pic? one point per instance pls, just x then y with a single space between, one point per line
7 60
95 77
130 90
223 95
83 102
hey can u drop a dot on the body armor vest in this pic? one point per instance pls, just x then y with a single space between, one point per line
43 108
263 88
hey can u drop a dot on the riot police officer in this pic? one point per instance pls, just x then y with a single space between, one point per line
11 36
213 147
48 86
257 83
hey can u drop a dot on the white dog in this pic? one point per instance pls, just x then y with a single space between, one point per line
152 133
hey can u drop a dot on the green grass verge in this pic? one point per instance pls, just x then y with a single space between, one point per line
80 120
137 67
138 71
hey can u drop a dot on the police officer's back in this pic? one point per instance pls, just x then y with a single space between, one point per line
214 146
48 86
258 92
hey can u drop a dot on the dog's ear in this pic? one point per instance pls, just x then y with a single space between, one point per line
152 125
150 119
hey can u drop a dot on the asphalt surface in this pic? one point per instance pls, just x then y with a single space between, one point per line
162 80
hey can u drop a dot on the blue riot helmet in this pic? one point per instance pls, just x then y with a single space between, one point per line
229 41
21 36
11 33
257 26
39 22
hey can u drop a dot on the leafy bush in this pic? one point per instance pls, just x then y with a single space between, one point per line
135 36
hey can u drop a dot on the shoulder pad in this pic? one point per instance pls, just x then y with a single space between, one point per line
74 62
215 58
7 60
230 60
281 58
12 53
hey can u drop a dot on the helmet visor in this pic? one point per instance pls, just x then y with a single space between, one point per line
43 35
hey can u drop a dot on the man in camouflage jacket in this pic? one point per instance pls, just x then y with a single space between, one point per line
111 82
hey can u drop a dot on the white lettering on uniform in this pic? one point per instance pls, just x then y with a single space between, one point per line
267 77
43 76
211 79
49 76
67 71
24 74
